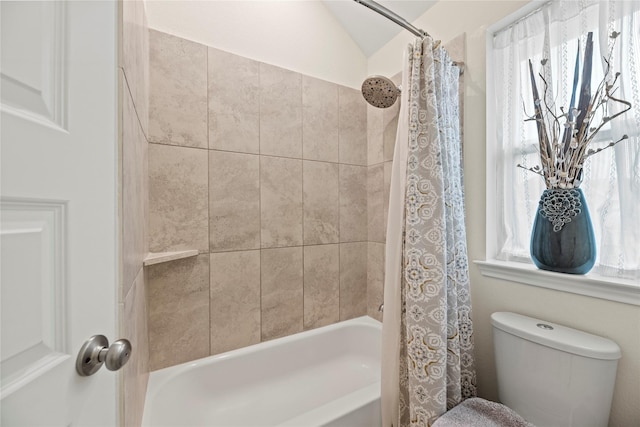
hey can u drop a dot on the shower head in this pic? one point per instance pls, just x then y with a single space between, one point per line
380 91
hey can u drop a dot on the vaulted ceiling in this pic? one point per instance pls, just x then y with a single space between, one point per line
370 30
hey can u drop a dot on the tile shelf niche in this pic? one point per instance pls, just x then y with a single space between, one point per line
156 258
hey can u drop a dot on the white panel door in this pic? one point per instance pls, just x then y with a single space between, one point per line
58 209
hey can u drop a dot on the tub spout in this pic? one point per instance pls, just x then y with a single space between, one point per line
381 308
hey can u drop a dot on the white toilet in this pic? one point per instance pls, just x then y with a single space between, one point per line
553 376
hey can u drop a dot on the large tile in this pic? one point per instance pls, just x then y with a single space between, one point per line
319 120
135 180
177 91
135 374
280 112
353 280
375 144
135 57
234 107
387 189
234 201
280 201
353 203
389 129
321 285
235 300
375 203
178 198
178 295
352 126
321 203
375 279
281 276
390 124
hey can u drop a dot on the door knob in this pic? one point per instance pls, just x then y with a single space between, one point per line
96 351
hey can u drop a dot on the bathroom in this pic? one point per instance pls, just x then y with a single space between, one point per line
183 191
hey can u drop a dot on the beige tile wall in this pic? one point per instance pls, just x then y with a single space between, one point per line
234 201
281 283
177 112
234 109
178 311
375 279
234 300
280 112
321 203
381 129
377 204
319 105
280 202
134 183
135 374
272 192
178 195
321 285
352 128
353 279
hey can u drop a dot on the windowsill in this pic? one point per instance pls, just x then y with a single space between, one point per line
619 290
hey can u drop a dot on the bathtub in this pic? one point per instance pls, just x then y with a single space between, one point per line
328 376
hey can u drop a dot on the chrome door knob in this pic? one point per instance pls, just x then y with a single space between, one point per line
96 351
118 355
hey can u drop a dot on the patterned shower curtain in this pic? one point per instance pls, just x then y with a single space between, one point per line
427 356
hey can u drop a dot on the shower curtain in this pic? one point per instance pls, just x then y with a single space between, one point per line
427 354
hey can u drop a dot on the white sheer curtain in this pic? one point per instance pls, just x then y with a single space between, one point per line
612 177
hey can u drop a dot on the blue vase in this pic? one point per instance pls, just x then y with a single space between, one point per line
562 239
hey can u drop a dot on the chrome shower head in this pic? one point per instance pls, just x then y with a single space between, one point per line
380 91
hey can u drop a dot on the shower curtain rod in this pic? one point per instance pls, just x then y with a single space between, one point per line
402 22
392 16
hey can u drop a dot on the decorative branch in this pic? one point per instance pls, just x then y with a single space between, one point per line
611 144
535 169
584 101
563 139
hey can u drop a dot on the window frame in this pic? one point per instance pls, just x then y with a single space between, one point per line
592 285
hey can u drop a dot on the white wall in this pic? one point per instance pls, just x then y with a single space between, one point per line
620 322
302 36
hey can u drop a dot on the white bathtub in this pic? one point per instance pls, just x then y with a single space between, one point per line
328 376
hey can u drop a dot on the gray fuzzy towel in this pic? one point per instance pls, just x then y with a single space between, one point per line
476 412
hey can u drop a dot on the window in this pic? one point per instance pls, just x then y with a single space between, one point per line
612 177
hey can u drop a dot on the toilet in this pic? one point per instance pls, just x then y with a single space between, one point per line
549 375
552 375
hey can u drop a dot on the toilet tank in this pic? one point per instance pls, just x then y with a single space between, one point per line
553 375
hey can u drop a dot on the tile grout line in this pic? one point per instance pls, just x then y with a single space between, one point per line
339 211
209 206
135 107
301 178
290 246
302 201
264 155
260 189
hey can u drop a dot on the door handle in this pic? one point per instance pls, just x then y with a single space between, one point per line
96 351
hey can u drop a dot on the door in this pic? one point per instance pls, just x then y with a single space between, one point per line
58 225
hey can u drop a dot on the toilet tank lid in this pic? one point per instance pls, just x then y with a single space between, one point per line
556 336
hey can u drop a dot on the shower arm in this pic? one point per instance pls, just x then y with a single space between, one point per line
392 16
